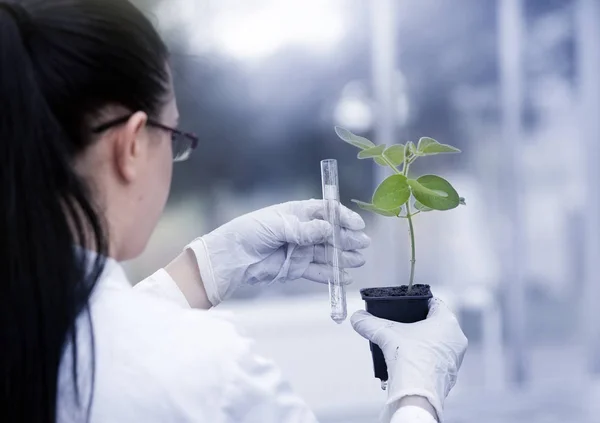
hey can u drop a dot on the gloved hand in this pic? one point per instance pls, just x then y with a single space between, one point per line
422 358
276 244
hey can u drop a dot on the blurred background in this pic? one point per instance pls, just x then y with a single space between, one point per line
515 84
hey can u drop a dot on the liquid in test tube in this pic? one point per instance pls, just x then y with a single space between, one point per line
333 251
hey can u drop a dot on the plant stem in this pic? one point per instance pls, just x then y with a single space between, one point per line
406 167
391 165
412 215
411 229
407 164
411 232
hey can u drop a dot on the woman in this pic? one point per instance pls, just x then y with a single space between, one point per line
87 136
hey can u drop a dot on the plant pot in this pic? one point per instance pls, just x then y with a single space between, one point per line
392 303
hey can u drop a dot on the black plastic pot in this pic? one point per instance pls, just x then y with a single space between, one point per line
392 303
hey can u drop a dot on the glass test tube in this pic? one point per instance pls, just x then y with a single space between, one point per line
333 251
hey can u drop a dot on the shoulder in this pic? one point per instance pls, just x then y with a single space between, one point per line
129 323
154 356
158 362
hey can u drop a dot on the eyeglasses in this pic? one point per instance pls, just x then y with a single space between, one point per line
183 142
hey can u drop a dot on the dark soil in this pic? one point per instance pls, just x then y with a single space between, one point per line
397 291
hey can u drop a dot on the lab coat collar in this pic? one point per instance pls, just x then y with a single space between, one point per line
113 273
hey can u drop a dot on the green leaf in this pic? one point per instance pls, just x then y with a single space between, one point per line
373 208
392 193
395 154
434 192
376 151
415 185
355 140
380 161
411 147
429 147
421 207
462 201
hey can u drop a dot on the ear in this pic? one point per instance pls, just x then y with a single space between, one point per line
130 146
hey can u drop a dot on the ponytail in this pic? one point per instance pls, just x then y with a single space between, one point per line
46 211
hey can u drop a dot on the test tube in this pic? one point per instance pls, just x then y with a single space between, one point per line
333 251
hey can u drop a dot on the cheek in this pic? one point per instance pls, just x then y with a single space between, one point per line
158 181
168 172
149 198
165 171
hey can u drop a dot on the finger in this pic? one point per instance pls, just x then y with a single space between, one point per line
306 233
352 240
267 269
306 209
323 273
370 327
300 260
348 259
348 218
438 309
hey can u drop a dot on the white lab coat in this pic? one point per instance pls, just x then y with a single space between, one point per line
158 360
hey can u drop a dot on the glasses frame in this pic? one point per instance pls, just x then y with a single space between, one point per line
191 137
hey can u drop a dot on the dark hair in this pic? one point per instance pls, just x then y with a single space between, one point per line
63 62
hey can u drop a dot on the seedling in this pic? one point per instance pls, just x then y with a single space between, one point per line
398 195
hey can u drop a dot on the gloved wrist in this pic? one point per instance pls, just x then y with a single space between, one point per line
200 250
406 381
418 401
417 397
412 414
415 408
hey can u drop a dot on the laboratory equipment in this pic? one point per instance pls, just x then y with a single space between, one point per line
333 250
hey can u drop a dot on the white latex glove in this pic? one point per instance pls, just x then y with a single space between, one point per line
422 358
276 244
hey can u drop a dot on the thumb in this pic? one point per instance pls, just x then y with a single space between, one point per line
370 327
438 309
307 233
